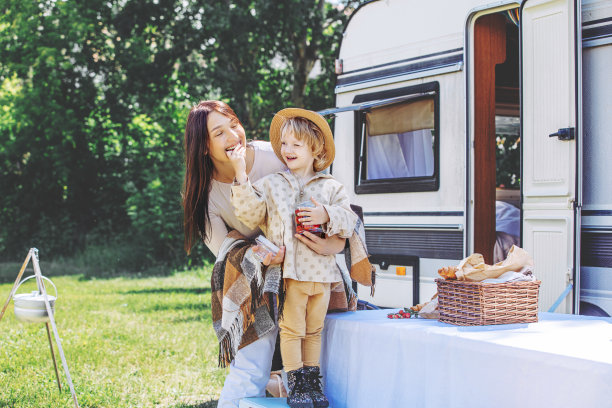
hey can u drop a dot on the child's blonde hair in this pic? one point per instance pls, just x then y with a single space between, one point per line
306 131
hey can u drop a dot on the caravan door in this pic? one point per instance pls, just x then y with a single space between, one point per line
548 111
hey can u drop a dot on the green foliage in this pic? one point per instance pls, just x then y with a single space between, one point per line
94 97
507 155
258 55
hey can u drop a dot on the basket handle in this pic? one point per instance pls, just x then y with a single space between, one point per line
33 276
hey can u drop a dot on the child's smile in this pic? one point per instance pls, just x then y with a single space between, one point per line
297 154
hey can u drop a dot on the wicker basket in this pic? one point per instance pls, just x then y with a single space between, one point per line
474 303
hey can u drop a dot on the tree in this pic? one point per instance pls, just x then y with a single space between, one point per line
78 78
94 96
259 55
311 33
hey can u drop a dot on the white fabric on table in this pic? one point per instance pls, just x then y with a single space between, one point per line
525 275
562 361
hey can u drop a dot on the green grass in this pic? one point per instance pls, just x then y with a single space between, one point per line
129 342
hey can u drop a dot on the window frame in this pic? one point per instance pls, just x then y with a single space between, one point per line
403 184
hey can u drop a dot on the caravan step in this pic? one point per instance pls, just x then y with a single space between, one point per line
263 403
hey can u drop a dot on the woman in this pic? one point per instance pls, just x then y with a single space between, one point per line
212 131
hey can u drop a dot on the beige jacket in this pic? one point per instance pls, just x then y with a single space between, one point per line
270 203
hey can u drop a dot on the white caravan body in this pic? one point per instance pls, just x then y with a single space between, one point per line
421 97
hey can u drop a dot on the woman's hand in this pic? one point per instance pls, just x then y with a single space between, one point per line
237 158
322 246
316 215
272 260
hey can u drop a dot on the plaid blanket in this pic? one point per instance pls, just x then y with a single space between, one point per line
356 257
244 292
242 307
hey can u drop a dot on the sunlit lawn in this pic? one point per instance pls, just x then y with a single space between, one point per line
129 342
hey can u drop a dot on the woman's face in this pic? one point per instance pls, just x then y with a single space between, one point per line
225 134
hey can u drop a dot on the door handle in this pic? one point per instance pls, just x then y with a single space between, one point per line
564 134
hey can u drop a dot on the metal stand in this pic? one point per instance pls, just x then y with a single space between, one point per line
33 254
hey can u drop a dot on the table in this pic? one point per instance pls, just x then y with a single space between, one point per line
562 361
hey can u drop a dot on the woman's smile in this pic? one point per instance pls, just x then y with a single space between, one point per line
232 147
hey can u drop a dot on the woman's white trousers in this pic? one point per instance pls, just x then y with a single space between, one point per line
249 372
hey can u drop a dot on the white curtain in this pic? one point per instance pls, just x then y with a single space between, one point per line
408 154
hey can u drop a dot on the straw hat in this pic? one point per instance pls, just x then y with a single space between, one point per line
280 118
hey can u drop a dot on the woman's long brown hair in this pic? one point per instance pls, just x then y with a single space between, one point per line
199 170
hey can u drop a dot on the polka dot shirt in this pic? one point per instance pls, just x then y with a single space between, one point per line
270 203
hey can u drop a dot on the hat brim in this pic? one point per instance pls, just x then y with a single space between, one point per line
287 113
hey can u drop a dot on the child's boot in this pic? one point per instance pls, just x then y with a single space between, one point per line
298 395
313 377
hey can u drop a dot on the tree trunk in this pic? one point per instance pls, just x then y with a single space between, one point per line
302 66
305 57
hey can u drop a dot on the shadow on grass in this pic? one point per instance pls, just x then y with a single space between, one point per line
50 269
193 291
10 270
204 317
153 272
175 307
207 404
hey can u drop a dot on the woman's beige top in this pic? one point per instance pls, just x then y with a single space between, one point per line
220 210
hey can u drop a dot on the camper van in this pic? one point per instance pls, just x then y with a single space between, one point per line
465 127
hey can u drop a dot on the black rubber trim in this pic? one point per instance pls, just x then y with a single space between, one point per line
401 70
590 213
601 20
420 57
597 32
416 213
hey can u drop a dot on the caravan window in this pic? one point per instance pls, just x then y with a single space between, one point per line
398 144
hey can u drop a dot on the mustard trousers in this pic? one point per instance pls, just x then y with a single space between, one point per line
302 322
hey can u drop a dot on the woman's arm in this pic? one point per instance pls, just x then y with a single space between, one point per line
217 233
322 246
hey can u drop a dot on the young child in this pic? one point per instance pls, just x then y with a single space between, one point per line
303 140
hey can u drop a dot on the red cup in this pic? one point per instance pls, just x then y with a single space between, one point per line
300 228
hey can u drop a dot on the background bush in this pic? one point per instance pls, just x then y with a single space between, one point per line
94 96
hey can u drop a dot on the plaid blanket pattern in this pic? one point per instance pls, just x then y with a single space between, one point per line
242 308
244 292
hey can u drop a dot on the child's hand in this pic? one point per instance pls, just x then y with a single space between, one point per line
313 216
237 158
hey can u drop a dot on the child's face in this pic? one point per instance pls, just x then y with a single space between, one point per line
296 153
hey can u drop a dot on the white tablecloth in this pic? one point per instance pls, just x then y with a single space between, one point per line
562 361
